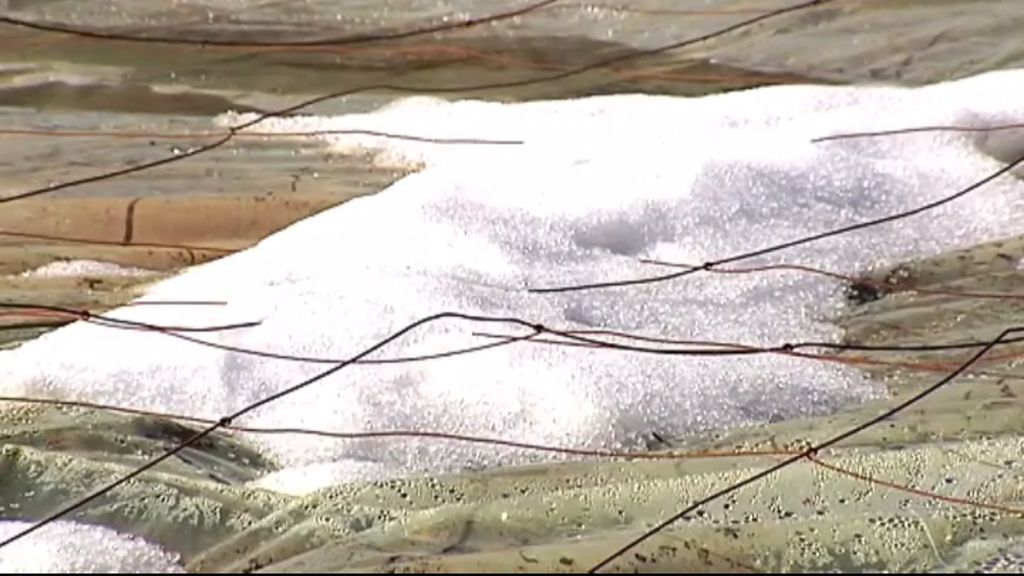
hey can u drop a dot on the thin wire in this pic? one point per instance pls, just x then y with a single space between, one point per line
915 491
177 303
611 454
462 23
120 323
730 348
121 172
573 337
581 337
916 130
879 286
177 332
304 134
836 358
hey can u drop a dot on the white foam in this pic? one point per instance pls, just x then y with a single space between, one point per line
71 548
306 479
598 183
68 268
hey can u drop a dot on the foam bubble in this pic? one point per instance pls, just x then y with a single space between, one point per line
598 184
71 548
70 268
306 479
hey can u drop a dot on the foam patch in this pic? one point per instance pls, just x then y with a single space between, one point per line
69 268
71 548
596 185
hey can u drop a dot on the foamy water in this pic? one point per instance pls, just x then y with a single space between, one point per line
71 548
596 185
70 268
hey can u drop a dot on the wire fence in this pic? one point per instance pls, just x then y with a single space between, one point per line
958 359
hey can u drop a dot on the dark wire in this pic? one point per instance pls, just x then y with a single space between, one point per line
129 324
578 336
365 38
